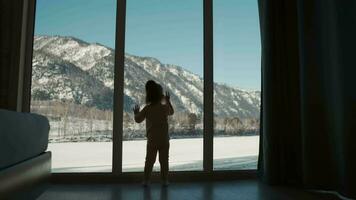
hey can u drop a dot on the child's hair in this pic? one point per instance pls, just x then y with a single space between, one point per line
154 92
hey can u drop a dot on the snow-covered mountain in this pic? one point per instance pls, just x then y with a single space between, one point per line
66 68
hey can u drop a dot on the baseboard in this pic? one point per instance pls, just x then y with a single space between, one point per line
132 177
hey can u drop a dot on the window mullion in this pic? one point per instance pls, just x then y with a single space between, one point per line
119 86
208 86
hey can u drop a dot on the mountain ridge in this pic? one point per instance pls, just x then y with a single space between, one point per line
68 68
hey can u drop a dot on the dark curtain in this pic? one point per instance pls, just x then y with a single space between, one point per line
308 118
10 38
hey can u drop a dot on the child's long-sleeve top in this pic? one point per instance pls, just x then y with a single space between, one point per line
156 116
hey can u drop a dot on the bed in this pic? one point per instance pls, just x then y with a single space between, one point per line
24 162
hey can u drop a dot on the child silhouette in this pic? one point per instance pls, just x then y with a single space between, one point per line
156 114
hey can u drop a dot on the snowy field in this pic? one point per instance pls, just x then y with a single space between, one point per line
239 152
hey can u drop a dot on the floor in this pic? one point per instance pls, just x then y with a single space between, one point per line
218 190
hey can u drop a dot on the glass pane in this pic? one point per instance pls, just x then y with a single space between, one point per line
73 81
164 44
237 88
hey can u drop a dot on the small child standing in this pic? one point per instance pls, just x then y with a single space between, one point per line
156 115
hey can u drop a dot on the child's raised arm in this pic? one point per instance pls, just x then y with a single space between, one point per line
170 110
139 115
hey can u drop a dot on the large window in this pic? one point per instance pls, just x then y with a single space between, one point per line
75 66
237 88
73 81
164 43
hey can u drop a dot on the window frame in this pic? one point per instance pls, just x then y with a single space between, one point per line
208 172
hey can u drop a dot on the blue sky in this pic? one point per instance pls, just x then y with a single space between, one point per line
170 30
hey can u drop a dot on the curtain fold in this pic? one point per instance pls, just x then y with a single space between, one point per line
308 120
10 37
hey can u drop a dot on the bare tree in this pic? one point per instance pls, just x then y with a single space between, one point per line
192 121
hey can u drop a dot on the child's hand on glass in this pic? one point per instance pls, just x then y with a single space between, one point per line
136 109
167 97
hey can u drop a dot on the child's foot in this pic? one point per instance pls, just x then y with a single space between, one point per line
145 183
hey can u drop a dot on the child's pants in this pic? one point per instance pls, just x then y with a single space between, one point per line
151 152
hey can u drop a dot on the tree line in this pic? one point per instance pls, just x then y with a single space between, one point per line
75 122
